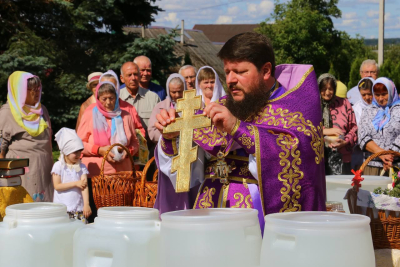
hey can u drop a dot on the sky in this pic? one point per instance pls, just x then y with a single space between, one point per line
358 16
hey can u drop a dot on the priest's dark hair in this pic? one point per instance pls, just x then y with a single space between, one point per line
249 46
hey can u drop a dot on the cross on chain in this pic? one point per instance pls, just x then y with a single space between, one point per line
186 124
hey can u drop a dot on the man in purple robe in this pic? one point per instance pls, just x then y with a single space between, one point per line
269 130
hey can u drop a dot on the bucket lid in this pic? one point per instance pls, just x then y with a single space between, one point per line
317 219
40 210
368 179
132 213
209 215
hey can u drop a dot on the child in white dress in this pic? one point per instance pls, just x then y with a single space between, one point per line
70 176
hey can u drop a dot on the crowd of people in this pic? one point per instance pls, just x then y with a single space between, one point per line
365 120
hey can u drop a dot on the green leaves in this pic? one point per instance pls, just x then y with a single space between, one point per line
63 41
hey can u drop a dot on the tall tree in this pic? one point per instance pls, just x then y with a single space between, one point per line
62 41
302 32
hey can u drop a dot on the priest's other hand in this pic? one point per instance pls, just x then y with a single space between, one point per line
220 116
165 118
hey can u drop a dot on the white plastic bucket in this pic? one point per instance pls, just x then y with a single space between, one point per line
37 235
210 237
337 186
119 237
315 239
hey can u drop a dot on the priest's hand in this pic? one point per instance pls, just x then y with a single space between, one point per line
221 117
165 118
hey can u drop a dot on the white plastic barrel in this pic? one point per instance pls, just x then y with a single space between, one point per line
37 234
315 239
210 237
337 186
119 237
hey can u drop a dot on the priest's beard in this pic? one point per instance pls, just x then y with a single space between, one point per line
252 102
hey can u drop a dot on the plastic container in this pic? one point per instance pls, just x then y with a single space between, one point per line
119 237
210 237
315 239
37 234
337 186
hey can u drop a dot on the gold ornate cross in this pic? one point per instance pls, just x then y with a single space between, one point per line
186 124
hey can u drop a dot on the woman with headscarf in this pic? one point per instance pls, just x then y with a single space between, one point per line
26 128
340 128
365 88
93 81
208 85
379 128
175 87
103 125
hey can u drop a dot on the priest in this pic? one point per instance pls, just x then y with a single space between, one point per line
265 147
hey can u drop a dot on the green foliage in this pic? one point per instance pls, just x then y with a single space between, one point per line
395 192
391 65
62 41
303 33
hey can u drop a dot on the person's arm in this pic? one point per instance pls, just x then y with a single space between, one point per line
59 186
154 133
351 135
87 211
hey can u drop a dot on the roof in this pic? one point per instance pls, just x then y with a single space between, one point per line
200 49
220 33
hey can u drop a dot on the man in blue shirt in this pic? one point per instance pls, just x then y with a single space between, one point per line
144 64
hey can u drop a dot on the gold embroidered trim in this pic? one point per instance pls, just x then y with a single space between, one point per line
258 158
240 199
244 170
286 119
294 88
164 148
246 141
209 135
290 175
235 127
206 202
251 129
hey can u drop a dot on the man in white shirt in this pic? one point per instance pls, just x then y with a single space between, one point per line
369 68
189 73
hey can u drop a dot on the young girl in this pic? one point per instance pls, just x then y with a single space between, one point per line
70 176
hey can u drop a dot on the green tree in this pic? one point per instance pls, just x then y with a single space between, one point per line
391 65
302 32
62 41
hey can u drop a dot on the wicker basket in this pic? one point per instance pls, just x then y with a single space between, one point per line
146 191
115 189
385 225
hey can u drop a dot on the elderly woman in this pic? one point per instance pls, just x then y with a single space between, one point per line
379 128
365 88
103 125
26 128
175 87
208 85
93 81
340 128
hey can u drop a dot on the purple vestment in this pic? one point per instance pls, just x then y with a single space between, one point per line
286 140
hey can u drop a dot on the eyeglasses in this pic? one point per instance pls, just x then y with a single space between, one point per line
191 77
370 72
37 89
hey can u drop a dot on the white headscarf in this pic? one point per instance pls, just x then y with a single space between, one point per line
218 91
111 72
360 105
68 142
175 75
